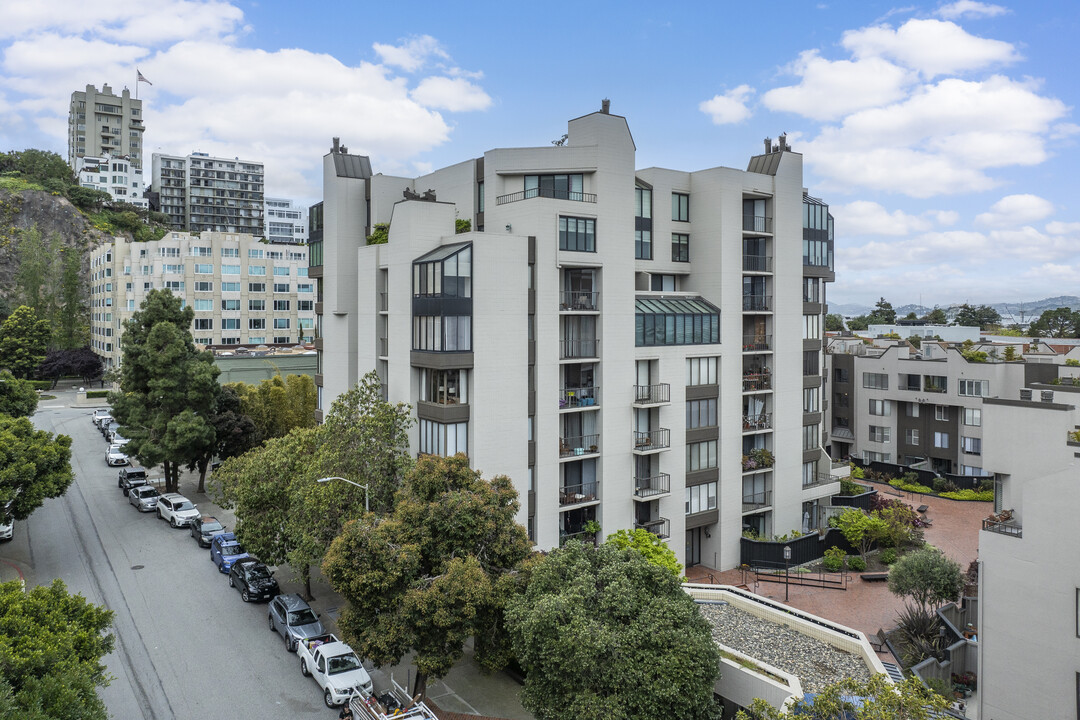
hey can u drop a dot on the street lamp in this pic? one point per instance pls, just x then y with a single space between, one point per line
367 507
787 562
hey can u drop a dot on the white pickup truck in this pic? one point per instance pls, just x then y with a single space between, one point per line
335 667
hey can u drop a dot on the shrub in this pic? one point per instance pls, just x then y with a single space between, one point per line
986 484
834 559
857 472
887 556
939 687
848 488
944 485
97 393
969 494
928 577
41 384
857 564
1072 362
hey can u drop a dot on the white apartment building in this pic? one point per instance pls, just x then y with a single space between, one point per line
616 341
286 221
200 193
243 291
117 176
1029 574
102 123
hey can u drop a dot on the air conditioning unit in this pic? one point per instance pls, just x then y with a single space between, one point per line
1047 396
1025 393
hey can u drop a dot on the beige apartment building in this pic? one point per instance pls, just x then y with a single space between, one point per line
618 341
102 123
243 291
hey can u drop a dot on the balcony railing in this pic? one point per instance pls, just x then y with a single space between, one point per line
652 440
652 394
578 397
757 223
582 493
384 347
757 263
761 421
756 343
384 303
1004 528
757 302
577 300
585 537
579 445
660 527
756 381
570 349
756 501
819 479
651 486
546 193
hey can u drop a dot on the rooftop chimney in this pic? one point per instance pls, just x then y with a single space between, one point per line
337 145
783 143
605 106
768 145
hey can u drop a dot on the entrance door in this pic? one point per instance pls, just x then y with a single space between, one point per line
693 547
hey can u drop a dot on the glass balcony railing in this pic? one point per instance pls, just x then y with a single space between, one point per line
756 501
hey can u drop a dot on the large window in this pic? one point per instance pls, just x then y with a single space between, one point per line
973 417
204 286
204 269
257 305
256 287
560 187
971 445
974 388
230 252
941 440
680 247
230 287
676 321
878 381
229 304
578 234
700 498
281 271
230 269
281 305
811 291
911 437
230 323
442 334
811 327
445 387
680 207
204 323
445 272
256 323
700 413
643 244
281 323
810 400
256 269
879 433
941 413
701 371
444 439
935 383
643 223
811 362
880 407
701 455
811 436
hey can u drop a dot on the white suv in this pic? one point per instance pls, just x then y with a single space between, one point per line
177 509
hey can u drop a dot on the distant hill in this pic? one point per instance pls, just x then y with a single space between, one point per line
1010 311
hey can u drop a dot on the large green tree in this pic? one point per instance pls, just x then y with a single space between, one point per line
433 572
278 405
34 465
51 647
859 323
1059 323
873 699
71 327
936 317
24 338
981 316
651 547
861 530
18 398
168 388
928 577
834 322
37 268
603 634
882 314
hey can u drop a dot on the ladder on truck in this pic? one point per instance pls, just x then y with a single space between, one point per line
394 704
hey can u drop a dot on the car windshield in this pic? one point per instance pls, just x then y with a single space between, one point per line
186 505
342 663
212 527
302 617
258 572
114 448
227 550
147 492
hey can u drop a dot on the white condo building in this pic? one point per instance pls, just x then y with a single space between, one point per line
243 291
286 221
117 176
619 342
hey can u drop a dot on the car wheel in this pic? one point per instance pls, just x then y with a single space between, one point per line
245 596
125 491
328 699
172 521
159 515
290 646
232 583
303 668
270 621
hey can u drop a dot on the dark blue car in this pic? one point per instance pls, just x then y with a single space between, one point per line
225 550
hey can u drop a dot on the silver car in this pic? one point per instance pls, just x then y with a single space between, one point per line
293 619
144 498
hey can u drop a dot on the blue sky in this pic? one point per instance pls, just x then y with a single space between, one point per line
943 135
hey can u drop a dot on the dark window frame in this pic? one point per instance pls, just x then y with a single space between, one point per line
680 247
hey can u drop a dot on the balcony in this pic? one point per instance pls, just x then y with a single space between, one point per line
585 537
651 487
756 343
820 479
652 394
753 382
660 527
651 440
577 494
757 223
756 263
757 303
578 397
579 445
1009 527
761 421
551 193
574 349
578 301
384 347
384 303
757 501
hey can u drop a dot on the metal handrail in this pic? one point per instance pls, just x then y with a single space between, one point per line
757 263
569 349
1003 528
579 300
650 486
660 527
545 193
580 493
757 302
579 397
761 421
579 445
652 439
757 381
757 223
756 343
652 394
757 500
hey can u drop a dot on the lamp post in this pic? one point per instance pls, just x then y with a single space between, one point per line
367 507
787 563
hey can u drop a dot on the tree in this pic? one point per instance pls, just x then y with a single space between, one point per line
981 316
651 547
1059 323
167 387
899 523
40 165
51 645
23 339
17 397
236 432
882 314
461 225
603 634
860 529
911 316
34 276
928 577
277 405
936 317
34 465
433 573
879 699
834 322
71 329
859 323
83 362
380 234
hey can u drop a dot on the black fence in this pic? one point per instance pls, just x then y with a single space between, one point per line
926 477
965 482
863 501
804 549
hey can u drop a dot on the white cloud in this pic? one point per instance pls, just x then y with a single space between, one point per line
1055 273
944 217
411 54
729 107
933 47
1015 210
970 8
828 89
453 94
151 22
1063 228
864 217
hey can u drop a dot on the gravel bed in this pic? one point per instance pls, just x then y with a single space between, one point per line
815 663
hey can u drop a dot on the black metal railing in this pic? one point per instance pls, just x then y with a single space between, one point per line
574 494
652 394
569 349
756 343
757 263
760 421
757 223
586 537
757 302
1003 528
756 381
757 500
546 193
579 445
660 527
651 486
579 397
579 300
818 479
652 439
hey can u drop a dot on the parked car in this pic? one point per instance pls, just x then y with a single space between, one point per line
108 428
293 619
335 666
99 415
7 528
225 550
177 509
117 439
130 477
115 456
144 498
204 528
253 579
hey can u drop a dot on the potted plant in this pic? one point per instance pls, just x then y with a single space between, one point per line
591 527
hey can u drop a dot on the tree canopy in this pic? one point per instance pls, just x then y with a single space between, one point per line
981 316
860 529
928 577
432 573
604 634
23 340
83 362
834 322
18 398
651 547
936 317
878 700
51 646
1059 323
277 405
34 465
882 314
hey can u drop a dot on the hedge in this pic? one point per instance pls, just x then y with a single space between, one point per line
968 494
97 393
41 384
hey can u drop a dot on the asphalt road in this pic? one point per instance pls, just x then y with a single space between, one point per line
187 646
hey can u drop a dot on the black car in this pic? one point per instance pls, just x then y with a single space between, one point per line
253 579
204 528
130 477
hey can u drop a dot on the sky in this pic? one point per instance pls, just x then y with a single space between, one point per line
943 135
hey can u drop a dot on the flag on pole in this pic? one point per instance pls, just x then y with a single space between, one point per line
141 78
